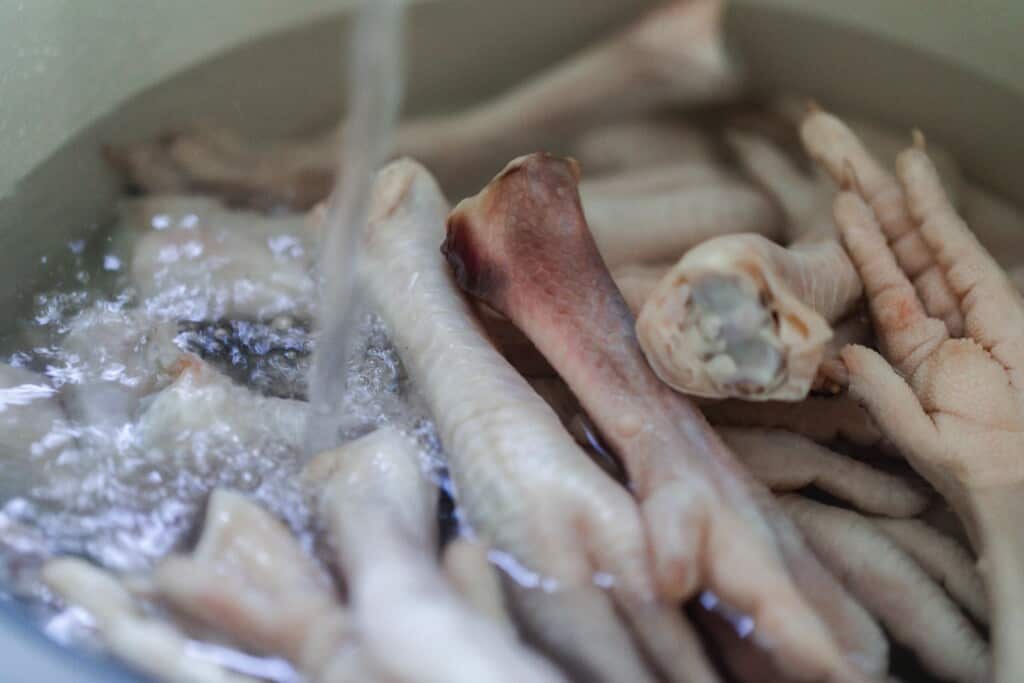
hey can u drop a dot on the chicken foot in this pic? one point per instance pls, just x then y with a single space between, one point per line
785 461
952 405
944 559
522 245
674 56
276 599
913 607
146 643
380 514
657 214
559 526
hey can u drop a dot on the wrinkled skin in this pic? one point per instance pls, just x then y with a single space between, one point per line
556 523
522 245
380 513
785 461
952 405
914 608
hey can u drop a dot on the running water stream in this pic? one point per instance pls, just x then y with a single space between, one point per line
375 87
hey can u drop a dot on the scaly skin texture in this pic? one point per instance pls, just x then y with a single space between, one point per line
944 559
785 461
553 519
523 246
673 56
840 153
953 406
380 513
913 607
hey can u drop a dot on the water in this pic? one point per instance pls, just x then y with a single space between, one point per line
137 441
375 95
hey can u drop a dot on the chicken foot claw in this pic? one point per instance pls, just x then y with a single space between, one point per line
953 406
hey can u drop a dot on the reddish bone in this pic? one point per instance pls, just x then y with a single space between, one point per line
523 246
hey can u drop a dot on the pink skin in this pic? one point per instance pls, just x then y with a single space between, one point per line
523 246
953 406
742 316
840 153
673 56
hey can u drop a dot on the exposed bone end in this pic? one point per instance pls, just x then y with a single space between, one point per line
495 223
722 324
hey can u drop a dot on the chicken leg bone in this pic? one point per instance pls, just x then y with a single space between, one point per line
380 513
556 523
672 57
523 246
953 406
740 316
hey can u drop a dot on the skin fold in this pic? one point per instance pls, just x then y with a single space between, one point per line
656 214
672 57
741 316
952 405
146 643
913 607
785 461
559 526
522 245
381 518
842 155
944 559
278 602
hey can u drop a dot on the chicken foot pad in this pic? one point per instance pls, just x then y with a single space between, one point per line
523 246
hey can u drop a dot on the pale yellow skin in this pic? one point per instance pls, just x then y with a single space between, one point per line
380 513
145 642
914 608
954 406
528 491
277 600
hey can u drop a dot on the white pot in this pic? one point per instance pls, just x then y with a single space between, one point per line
78 73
